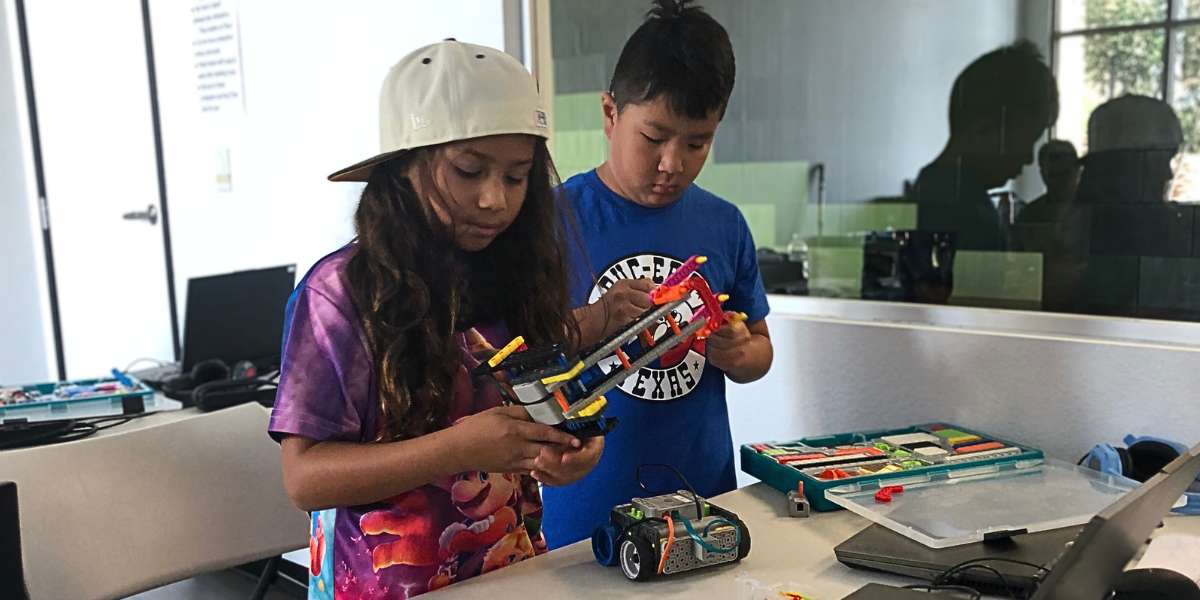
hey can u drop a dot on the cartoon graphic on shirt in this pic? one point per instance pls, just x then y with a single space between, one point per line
493 534
320 555
678 372
412 517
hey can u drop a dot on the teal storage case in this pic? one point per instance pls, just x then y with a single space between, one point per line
786 479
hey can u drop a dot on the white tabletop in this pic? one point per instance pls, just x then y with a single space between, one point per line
156 500
783 549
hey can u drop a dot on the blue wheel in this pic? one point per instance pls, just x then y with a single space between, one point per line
604 543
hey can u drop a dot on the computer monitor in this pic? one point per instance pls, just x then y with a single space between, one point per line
236 317
1091 567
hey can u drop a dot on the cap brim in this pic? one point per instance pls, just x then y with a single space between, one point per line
362 171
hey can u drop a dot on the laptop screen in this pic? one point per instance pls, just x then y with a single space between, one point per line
1090 569
236 317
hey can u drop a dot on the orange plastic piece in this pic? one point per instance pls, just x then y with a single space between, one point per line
647 338
561 400
673 324
662 562
624 359
669 294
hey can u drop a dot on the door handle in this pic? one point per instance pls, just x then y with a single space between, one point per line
150 214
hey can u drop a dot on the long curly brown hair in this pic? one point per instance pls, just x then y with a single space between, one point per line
414 289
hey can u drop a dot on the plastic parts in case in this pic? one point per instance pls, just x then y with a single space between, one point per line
820 463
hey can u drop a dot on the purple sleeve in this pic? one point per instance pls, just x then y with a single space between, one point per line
325 380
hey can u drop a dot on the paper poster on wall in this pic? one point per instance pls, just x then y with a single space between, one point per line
217 53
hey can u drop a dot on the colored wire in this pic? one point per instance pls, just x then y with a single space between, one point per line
157 363
707 546
976 564
954 569
1003 582
973 594
690 489
670 540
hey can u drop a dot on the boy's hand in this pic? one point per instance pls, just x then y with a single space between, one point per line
726 349
626 300
558 465
743 351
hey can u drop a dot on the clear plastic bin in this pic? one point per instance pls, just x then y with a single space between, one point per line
950 508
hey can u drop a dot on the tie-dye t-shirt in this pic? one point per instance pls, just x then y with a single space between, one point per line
422 540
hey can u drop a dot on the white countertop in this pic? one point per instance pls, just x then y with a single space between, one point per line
783 549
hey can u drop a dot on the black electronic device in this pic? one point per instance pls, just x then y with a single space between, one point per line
238 316
1086 566
231 319
1155 584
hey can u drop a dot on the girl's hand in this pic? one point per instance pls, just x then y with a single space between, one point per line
569 466
506 440
479 347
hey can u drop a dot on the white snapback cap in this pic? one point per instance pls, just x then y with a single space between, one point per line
447 92
1134 123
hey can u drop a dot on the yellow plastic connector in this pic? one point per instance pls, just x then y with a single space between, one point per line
722 297
594 407
575 371
506 351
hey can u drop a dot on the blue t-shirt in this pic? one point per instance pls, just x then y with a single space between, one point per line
672 412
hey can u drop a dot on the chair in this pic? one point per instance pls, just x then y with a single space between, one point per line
112 516
12 571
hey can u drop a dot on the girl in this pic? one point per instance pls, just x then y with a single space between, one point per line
415 474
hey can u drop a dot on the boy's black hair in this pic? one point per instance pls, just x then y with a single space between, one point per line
1012 83
680 52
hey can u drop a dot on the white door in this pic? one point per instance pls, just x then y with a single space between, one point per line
93 104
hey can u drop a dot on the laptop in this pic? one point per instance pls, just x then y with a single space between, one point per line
1076 563
232 317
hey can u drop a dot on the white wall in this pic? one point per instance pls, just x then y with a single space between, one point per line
26 345
312 81
1060 394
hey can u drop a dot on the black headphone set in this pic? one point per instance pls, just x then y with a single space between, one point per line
212 385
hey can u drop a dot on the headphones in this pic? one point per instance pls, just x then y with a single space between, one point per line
1144 458
212 385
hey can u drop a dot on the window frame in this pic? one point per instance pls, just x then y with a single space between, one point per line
1169 26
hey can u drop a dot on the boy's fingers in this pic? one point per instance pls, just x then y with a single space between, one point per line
644 284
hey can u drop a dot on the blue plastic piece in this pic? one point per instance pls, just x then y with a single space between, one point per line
687 524
1104 458
604 543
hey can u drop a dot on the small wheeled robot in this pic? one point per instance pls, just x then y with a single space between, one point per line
568 392
669 534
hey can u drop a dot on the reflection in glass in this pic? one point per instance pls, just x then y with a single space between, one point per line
1074 15
1095 68
1185 90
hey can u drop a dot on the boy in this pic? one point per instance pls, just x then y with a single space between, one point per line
640 217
